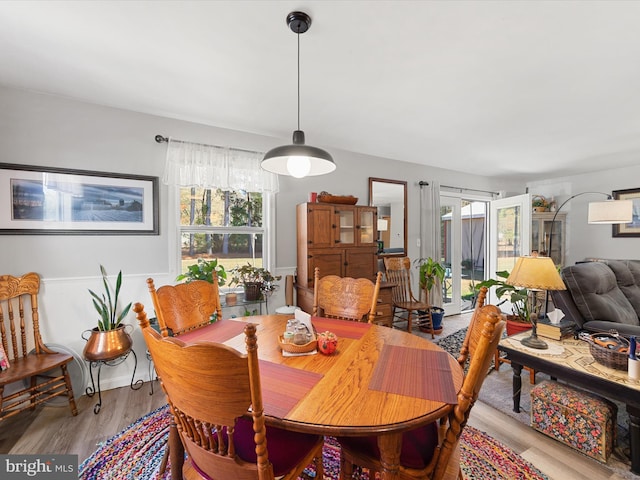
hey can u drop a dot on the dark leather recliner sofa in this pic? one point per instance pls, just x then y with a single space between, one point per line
602 295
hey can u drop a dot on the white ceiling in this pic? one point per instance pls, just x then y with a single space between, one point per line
532 88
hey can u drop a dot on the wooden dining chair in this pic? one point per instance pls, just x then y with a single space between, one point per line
432 452
398 272
215 397
345 297
464 348
41 373
186 306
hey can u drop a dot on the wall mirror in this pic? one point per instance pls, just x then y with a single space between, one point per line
390 197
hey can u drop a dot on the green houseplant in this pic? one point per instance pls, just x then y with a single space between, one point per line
519 298
107 304
256 280
430 274
203 270
109 340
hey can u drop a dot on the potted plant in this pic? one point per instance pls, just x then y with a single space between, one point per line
431 273
255 280
109 340
520 319
539 204
203 270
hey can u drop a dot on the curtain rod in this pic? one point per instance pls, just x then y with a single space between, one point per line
162 139
424 184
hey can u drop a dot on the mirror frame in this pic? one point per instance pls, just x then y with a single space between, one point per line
373 180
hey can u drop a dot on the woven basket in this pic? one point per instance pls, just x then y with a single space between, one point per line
608 357
293 348
337 199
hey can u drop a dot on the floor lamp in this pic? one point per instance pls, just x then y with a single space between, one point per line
608 212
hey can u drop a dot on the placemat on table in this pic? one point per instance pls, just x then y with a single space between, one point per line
283 387
415 373
342 328
219 332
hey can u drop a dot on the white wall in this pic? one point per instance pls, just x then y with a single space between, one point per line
585 240
50 131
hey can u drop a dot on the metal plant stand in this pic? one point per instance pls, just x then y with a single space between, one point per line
91 390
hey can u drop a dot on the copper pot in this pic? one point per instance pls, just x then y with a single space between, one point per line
106 345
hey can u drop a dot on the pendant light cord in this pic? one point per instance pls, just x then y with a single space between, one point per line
298 34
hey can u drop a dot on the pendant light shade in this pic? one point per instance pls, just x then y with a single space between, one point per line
298 160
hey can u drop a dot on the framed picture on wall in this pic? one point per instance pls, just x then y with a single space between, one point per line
629 229
57 201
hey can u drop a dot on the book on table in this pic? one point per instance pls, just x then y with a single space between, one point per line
555 331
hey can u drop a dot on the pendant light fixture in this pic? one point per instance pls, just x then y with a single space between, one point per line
298 160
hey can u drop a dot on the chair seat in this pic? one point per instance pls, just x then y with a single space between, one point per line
286 449
418 446
32 364
411 305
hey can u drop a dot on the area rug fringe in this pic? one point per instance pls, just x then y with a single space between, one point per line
136 454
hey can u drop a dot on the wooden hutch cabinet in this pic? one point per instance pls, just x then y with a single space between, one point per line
339 239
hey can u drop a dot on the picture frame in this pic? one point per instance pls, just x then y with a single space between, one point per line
59 201
628 229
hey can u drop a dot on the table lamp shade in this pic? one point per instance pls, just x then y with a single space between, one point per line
538 273
611 211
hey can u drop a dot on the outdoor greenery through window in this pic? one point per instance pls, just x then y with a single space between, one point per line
220 224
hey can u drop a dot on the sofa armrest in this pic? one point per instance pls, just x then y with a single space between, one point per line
563 300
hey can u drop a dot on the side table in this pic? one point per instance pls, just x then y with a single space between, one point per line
91 390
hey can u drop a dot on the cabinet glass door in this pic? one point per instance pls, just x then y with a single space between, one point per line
366 230
556 243
346 226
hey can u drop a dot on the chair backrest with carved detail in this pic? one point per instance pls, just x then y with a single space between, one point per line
345 297
464 349
486 331
186 306
398 271
19 320
209 387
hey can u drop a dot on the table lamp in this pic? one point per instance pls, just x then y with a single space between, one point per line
383 226
535 273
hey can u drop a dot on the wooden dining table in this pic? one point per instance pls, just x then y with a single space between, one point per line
380 381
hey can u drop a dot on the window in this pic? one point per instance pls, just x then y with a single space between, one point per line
220 224
225 201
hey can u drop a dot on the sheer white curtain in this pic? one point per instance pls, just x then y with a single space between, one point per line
197 165
430 224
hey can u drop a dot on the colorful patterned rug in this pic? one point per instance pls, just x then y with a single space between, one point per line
137 451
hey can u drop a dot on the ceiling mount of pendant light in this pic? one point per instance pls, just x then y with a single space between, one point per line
298 160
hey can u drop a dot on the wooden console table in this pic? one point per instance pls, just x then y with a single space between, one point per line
575 365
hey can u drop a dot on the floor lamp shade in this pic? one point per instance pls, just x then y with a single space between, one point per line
611 211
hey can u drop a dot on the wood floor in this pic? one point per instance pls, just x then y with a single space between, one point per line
55 430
